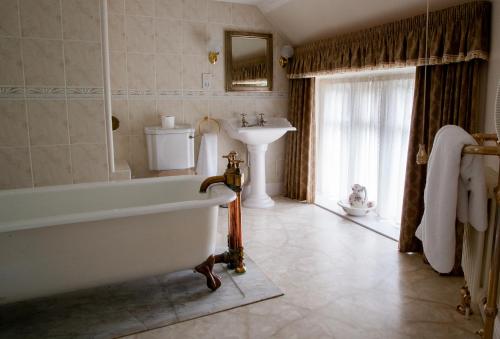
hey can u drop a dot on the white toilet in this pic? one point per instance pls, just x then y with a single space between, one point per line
170 150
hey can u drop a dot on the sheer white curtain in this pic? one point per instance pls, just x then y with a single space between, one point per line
363 128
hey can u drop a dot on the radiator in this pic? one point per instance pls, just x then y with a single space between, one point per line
476 252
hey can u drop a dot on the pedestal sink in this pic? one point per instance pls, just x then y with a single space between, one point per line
257 138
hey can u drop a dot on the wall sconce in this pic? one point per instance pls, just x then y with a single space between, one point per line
286 53
214 49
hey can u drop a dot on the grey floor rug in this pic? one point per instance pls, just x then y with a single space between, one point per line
135 306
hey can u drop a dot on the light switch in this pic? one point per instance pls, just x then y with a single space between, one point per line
206 80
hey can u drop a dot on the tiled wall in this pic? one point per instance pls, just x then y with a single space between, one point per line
51 102
52 121
158 54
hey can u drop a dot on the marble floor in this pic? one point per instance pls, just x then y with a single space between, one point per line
340 281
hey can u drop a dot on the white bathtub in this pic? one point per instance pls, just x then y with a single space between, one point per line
64 238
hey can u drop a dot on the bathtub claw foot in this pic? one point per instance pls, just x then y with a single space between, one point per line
233 259
222 258
205 268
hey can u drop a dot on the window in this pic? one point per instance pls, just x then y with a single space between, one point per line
363 125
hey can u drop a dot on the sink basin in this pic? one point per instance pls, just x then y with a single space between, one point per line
257 139
274 129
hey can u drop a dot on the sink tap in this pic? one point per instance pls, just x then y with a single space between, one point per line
244 122
261 122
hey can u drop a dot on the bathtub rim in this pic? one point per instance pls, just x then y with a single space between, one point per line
219 194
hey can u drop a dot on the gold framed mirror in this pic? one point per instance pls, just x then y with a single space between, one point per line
249 61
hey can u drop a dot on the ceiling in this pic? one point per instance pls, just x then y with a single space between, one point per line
302 21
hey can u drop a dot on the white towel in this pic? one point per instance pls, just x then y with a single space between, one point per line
455 188
207 157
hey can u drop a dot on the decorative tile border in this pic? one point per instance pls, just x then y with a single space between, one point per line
50 92
85 92
165 94
11 92
45 92
141 92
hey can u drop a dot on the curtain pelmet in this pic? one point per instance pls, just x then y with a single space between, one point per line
456 34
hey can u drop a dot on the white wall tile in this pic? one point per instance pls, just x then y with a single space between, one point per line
169 9
139 157
219 108
89 162
140 33
195 10
142 113
243 15
11 71
9 25
43 62
118 70
141 71
194 110
116 6
86 121
192 68
81 20
168 36
171 107
140 7
168 71
116 31
121 144
219 12
48 122
41 18
15 171
13 124
83 64
194 38
51 165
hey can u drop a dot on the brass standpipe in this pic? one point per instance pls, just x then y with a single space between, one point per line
232 178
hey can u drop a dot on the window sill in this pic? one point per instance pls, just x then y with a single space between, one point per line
370 221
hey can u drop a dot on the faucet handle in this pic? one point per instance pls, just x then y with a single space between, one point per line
243 115
231 158
261 121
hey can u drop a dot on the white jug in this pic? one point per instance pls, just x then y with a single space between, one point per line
358 196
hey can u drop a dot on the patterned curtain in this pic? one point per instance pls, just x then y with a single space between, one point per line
452 96
456 34
299 152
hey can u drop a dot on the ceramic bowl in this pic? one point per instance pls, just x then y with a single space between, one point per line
357 211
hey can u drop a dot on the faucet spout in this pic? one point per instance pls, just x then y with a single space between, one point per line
210 181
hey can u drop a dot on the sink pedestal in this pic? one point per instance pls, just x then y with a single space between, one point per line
258 197
257 138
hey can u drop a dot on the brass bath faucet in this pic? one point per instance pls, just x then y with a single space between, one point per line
232 178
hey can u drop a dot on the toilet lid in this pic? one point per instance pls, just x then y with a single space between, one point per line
185 128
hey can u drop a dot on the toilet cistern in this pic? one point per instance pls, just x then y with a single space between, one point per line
257 136
170 148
